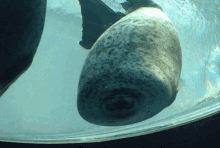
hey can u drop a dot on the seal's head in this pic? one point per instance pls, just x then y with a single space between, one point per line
132 71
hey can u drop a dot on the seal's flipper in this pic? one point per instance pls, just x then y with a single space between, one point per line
97 17
131 5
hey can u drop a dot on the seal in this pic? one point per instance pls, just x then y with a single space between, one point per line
132 71
23 23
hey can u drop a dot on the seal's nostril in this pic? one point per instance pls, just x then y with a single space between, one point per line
120 104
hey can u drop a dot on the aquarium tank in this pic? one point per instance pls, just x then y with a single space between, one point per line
41 105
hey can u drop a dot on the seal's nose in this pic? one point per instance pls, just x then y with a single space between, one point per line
119 105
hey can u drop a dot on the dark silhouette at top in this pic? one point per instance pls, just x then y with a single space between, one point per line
97 17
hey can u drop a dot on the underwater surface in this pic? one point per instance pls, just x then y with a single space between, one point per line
41 105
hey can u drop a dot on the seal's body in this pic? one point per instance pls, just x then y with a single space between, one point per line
21 27
132 72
